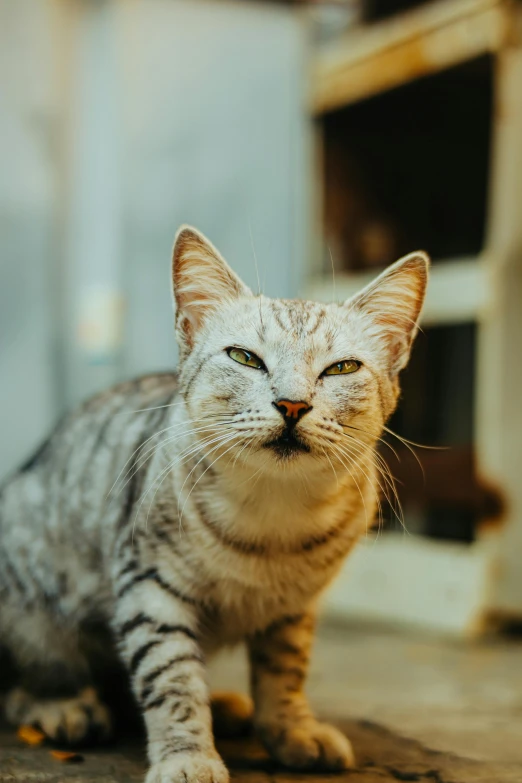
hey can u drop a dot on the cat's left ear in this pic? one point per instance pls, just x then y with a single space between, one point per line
391 306
202 282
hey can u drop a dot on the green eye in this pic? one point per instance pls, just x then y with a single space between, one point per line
246 357
343 368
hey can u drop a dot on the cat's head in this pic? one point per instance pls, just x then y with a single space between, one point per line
278 382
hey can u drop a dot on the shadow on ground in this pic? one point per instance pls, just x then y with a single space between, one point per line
382 756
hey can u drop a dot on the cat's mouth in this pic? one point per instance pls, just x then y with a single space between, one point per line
287 444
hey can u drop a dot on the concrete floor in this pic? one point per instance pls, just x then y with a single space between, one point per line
416 709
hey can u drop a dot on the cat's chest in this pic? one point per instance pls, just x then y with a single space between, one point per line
249 590
239 609
254 563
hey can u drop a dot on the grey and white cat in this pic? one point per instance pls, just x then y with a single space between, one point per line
193 510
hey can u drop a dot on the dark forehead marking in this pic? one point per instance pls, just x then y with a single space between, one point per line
313 325
296 322
304 318
330 335
276 312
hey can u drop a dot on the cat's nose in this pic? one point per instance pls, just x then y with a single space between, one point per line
291 410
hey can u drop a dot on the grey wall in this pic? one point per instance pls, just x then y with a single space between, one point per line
28 196
216 138
123 119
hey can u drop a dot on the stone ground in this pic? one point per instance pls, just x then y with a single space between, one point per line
416 709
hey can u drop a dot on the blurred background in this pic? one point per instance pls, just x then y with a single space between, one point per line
325 139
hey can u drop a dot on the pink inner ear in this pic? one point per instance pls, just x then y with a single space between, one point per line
202 281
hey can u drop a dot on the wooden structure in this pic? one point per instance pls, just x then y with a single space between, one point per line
455 586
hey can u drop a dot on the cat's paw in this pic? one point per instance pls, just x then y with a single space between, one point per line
189 768
308 745
73 721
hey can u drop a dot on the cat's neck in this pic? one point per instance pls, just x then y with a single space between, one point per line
290 505
287 503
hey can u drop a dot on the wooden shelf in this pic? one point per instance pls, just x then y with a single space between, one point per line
400 578
405 47
458 291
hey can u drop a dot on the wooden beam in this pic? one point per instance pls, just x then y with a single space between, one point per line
459 290
406 47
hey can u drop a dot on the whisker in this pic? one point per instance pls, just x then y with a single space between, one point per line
187 477
381 440
181 458
338 450
332 466
257 272
135 466
156 408
233 437
389 484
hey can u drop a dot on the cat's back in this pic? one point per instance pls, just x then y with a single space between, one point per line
90 445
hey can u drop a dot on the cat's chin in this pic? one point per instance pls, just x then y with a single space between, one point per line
287 446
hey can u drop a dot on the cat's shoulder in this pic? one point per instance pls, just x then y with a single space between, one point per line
149 393
145 388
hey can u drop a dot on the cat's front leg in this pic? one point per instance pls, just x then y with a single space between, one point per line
283 718
157 628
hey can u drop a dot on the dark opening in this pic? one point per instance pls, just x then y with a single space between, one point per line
408 170
373 10
436 408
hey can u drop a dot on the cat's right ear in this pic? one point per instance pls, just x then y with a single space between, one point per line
202 282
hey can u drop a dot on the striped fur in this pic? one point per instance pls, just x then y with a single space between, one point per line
168 509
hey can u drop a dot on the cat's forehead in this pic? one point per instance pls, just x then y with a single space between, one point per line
298 318
291 323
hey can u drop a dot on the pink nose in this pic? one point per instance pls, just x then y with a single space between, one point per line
292 410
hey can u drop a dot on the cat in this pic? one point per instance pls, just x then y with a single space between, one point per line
191 510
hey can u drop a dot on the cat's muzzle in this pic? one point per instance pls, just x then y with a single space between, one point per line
287 444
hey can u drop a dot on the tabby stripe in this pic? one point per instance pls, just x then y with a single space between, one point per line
241 546
320 317
316 541
136 580
282 671
13 576
165 628
186 748
132 493
175 707
100 437
154 420
135 622
152 575
266 661
156 702
40 454
188 385
279 322
149 679
144 619
139 655
155 673
281 646
189 712
159 700
145 693
252 548
131 566
291 619
162 535
173 590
